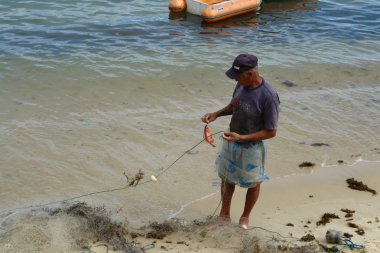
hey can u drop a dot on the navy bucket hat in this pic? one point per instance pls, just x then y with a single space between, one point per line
242 62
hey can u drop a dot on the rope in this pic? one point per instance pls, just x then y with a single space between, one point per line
104 191
349 244
184 153
213 214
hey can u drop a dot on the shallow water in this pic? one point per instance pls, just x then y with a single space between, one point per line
91 90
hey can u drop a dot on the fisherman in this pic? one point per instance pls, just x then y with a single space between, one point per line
241 157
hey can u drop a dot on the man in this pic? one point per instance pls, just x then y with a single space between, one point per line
255 110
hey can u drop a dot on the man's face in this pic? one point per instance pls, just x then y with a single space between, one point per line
245 78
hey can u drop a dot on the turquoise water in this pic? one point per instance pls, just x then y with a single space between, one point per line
90 90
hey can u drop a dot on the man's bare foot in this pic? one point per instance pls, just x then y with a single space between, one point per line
243 222
225 219
217 221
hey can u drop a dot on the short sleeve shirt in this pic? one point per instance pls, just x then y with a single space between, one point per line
254 109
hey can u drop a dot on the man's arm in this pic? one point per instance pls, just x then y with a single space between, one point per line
258 136
209 117
224 111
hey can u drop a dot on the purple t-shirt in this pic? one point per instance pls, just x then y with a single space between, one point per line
254 109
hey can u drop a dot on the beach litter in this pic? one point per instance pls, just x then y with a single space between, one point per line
334 236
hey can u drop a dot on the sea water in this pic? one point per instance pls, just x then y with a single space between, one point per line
94 92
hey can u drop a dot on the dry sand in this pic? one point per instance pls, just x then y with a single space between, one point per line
288 209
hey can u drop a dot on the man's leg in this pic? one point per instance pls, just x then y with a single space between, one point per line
250 200
227 190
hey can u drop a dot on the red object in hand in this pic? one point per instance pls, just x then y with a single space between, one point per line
207 135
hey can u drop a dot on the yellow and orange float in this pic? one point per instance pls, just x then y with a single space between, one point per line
214 10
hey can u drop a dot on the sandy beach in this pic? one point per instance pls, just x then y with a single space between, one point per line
94 93
287 218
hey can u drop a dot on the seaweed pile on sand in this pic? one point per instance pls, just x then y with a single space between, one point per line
179 235
359 185
100 227
326 218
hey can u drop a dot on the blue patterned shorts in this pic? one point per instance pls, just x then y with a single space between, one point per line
242 163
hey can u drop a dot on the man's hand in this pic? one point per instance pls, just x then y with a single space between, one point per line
209 117
232 136
257 136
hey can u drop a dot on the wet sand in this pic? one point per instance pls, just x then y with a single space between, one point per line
289 208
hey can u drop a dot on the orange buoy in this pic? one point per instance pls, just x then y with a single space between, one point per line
177 5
